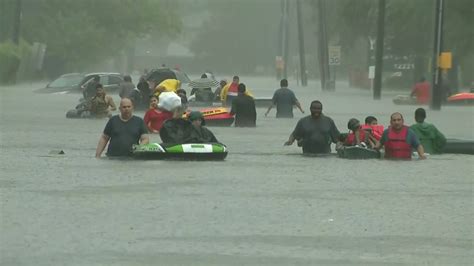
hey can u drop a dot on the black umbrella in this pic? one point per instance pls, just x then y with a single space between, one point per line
160 74
203 83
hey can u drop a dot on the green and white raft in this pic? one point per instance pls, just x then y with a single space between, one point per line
190 151
357 152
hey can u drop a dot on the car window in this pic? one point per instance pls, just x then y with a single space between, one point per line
66 81
104 80
115 80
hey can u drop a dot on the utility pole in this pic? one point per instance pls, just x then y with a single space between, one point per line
304 79
438 47
323 46
379 51
286 38
16 23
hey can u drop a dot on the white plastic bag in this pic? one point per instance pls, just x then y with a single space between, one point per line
169 101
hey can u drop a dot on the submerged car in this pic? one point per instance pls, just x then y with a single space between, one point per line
64 82
72 82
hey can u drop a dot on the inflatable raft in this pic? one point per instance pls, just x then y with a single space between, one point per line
458 146
357 152
215 117
464 98
191 151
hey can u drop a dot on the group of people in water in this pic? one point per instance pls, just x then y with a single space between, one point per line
314 133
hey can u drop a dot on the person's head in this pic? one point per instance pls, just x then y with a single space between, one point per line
241 88
203 76
316 109
284 83
99 90
153 102
420 115
126 107
178 112
422 79
353 124
371 121
127 78
96 78
181 92
196 118
235 80
223 82
396 121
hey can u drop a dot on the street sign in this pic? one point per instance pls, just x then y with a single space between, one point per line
334 55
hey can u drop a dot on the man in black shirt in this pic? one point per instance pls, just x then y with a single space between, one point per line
122 131
243 107
315 132
284 99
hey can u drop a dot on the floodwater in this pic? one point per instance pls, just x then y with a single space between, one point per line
265 204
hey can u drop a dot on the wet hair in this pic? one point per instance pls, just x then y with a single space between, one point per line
96 77
315 102
422 79
241 88
369 119
396 113
284 83
181 91
223 82
127 78
236 77
99 86
203 76
353 124
420 115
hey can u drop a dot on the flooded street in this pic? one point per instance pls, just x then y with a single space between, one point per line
265 204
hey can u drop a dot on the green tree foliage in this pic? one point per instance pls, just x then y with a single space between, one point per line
83 32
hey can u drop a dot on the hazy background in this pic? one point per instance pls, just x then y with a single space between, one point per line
232 37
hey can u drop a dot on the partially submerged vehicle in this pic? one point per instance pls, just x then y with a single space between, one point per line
72 82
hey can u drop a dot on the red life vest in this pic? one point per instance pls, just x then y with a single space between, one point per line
376 130
351 139
233 89
396 145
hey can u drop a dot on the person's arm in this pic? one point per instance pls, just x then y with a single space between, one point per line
111 103
104 139
334 132
415 143
144 139
421 152
379 143
147 121
290 140
269 108
224 94
295 134
297 103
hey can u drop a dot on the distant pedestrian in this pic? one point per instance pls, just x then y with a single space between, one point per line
126 87
243 107
284 99
421 91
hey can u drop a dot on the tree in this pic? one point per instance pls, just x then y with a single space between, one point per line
81 33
